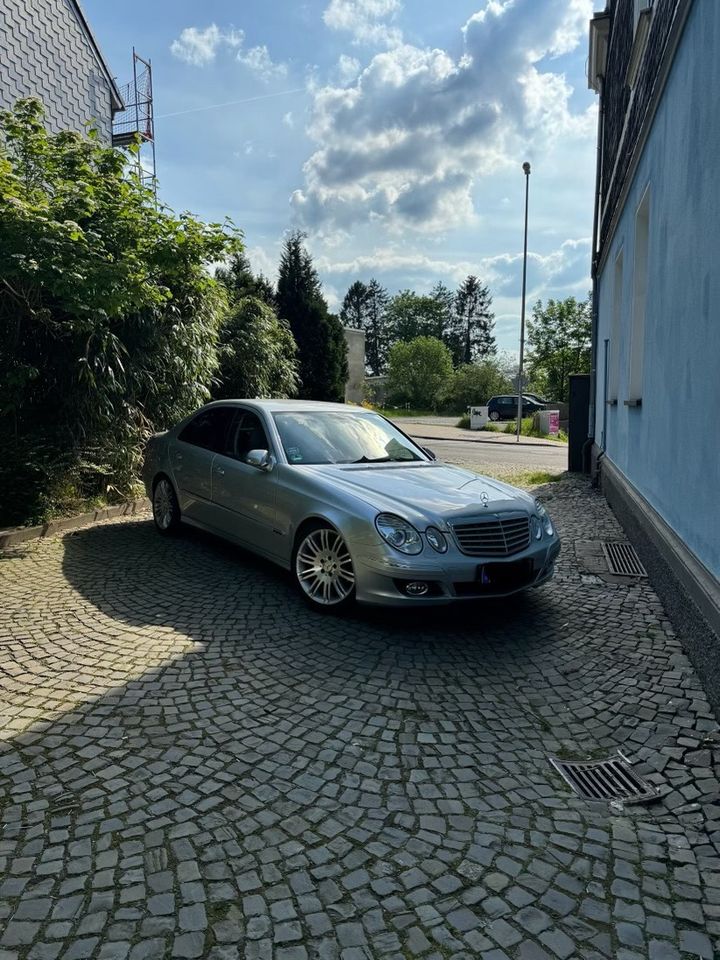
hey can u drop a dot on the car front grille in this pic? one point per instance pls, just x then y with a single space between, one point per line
495 536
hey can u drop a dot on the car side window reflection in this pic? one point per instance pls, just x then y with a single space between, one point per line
208 429
246 433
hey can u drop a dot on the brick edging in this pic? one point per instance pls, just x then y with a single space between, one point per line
9 538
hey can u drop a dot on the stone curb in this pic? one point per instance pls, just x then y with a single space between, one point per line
9 538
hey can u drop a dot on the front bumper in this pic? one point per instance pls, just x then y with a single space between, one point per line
380 575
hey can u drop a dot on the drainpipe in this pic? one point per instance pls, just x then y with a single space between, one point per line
595 259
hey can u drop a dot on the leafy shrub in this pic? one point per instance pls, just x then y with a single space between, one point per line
472 385
108 316
417 370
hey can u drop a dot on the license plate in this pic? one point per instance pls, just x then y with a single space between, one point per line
500 576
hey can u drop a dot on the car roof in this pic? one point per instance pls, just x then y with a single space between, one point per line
287 406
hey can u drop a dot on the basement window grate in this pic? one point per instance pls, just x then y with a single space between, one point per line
612 779
622 560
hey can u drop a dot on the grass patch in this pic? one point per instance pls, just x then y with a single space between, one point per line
464 422
528 430
528 479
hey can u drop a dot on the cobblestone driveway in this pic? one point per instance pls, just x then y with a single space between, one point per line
194 765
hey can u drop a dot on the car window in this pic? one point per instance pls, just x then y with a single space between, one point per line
246 433
208 429
339 437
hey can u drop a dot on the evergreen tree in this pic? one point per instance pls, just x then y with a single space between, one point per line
376 335
322 350
239 280
364 309
445 299
472 336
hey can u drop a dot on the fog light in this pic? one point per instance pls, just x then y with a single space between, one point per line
416 588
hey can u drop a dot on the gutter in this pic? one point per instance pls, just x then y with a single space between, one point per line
594 267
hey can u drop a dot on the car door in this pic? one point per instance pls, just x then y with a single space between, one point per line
191 456
244 495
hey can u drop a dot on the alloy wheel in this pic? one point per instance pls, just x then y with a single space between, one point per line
324 569
163 504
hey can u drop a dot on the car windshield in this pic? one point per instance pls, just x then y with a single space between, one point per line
339 437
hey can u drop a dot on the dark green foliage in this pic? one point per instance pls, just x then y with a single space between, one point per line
239 280
257 353
410 316
472 336
417 370
108 317
559 336
364 308
322 350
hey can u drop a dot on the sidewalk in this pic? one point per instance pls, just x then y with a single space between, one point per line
442 428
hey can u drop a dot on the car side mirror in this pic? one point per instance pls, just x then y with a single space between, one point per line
429 452
261 459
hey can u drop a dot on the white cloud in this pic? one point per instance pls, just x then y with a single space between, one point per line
347 68
199 47
406 143
365 20
288 120
259 61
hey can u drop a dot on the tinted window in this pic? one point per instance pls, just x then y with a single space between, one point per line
208 429
247 433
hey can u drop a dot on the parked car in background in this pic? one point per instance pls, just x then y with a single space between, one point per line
348 503
537 399
505 407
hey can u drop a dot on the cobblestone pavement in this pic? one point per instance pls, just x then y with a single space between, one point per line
194 765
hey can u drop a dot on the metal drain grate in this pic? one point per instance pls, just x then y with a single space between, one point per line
612 779
622 560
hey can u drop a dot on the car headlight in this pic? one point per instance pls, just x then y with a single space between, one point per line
436 539
544 518
536 529
398 533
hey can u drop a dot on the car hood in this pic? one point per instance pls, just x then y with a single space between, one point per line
424 491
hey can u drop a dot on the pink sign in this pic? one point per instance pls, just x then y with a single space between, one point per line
554 422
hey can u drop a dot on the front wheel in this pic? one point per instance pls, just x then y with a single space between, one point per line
494 416
166 511
323 569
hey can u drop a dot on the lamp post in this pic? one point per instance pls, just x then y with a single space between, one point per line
526 171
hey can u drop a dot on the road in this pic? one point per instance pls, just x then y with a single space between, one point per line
193 765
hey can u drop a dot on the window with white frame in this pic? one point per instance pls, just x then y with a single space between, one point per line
615 327
640 283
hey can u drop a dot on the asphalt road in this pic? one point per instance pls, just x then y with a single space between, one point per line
499 458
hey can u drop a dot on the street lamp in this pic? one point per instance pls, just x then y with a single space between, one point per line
526 171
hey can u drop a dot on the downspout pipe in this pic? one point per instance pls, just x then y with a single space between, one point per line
594 271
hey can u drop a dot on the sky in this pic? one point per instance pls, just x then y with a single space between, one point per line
393 132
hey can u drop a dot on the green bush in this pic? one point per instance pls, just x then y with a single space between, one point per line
108 316
417 370
472 385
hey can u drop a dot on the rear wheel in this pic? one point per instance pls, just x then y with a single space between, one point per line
323 569
166 511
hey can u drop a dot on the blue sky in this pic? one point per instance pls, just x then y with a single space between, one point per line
392 131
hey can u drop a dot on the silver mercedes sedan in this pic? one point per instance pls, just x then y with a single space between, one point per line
353 507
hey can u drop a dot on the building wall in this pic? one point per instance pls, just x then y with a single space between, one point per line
45 52
669 447
354 387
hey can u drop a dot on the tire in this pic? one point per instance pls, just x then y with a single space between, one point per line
165 508
494 416
322 569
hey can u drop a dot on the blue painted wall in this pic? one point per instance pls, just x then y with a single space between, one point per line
669 448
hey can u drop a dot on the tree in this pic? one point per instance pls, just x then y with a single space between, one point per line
472 334
445 299
238 279
322 350
417 370
559 337
257 353
410 316
473 384
108 316
364 308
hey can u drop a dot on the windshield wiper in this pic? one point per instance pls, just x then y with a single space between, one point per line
364 459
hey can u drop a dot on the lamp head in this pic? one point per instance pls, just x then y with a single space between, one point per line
526 168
